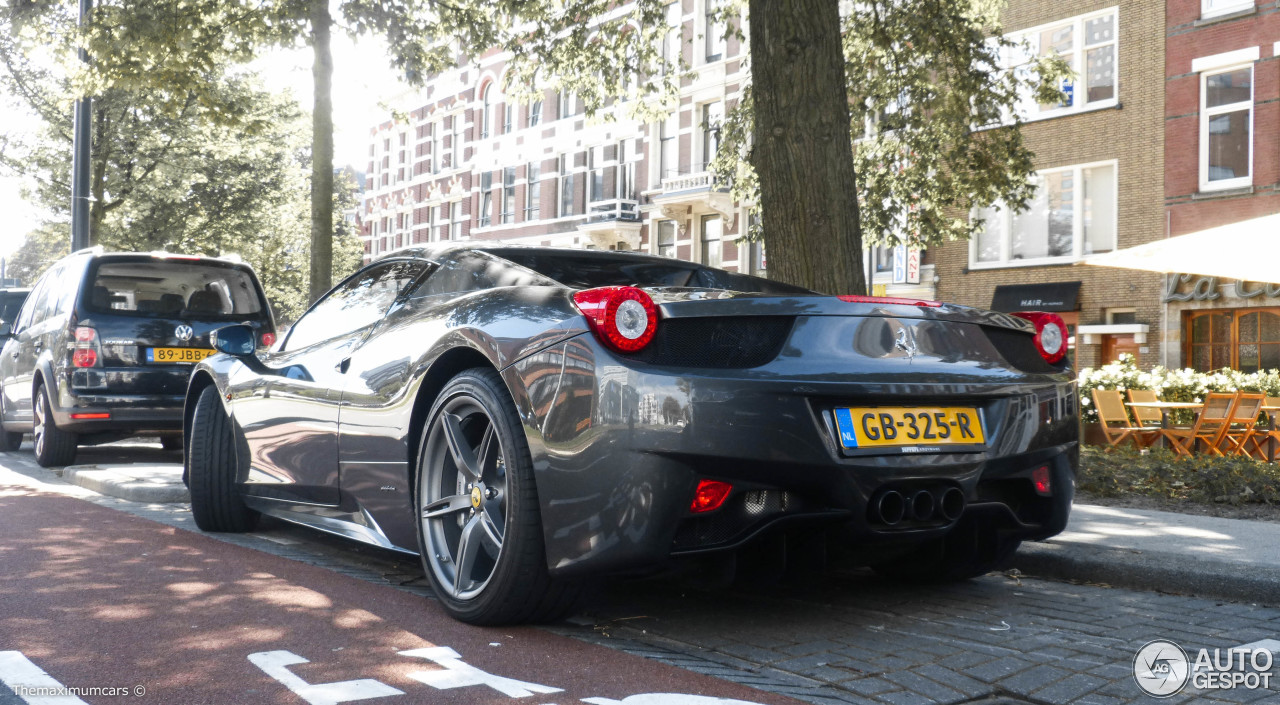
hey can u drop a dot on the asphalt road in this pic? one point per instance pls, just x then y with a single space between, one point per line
95 590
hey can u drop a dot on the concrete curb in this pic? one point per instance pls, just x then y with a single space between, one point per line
1151 570
134 485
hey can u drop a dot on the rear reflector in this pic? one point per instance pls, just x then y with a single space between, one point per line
91 416
709 496
858 299
1040 478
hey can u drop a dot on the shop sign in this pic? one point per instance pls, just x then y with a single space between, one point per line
1191 287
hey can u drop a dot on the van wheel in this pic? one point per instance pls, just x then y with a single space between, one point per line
10 440
211 470
53 446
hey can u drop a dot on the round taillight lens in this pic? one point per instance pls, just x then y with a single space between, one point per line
1051 334
622 317
268 339
84 357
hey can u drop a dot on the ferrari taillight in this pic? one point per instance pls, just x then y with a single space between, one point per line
86 351
1051 334
268 339
622 317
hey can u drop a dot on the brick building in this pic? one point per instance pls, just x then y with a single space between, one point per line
1100 157
469 163
1222 146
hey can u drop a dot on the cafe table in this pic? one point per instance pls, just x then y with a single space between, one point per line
1165 407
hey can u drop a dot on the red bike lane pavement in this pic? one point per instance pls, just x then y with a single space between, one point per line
96 598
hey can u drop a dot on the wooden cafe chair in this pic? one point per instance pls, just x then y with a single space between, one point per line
1210 426
1147 417
1264 440
1114 418
1243 423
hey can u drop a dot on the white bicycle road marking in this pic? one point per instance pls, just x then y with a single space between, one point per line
20 675
276 664
457 674
666 699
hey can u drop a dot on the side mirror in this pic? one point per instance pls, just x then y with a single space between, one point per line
238 340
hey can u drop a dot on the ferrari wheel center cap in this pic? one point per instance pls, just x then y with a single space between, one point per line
476 497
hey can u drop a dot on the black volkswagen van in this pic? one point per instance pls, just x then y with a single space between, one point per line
104 344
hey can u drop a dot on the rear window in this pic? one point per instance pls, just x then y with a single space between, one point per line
169 288
585 271
10 304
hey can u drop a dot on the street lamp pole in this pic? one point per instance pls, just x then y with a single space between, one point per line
80 158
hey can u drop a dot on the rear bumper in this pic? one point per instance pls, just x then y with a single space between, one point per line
619 449
81 412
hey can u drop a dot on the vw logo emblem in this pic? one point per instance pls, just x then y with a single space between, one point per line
183 332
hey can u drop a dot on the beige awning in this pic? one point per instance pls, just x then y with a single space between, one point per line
1247 250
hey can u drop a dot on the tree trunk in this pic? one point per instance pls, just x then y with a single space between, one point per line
321 153
802 149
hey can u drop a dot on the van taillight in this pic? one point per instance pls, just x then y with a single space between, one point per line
86 351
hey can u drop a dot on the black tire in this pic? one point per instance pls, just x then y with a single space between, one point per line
10 441
171 442
493 505
967 551
211 470
54 447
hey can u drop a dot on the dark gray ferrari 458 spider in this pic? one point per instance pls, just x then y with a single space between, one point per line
528 418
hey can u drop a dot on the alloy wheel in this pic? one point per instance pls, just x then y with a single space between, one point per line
37 429
463 507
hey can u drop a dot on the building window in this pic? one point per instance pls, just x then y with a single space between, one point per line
567 100
436 157
486 199
671 41
882 259
1226 128
566 185
533 191
431 226
715 31
667 238
600 188
1089 45
712 231
1217 8
508 194
535 113
669 148
626 171
1245 339
508 113
712 118
455 159
487 115
1072 214
455 220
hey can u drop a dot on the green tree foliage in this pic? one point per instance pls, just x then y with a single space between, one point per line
219 173
932 116
44 246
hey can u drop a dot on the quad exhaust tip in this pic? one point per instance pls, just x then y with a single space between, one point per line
892 506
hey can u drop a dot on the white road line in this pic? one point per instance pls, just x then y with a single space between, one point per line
276 664
26 679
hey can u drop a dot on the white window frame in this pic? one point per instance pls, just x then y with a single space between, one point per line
1206 113
1078 235
1208 11
1029 109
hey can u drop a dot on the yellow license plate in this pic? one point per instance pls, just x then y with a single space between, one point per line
178 354
881 426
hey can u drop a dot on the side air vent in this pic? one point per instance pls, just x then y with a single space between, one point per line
1019 350
718 343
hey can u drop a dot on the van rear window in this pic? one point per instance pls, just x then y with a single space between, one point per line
169 288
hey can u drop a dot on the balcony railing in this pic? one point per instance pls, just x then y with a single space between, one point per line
618 209
690 182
